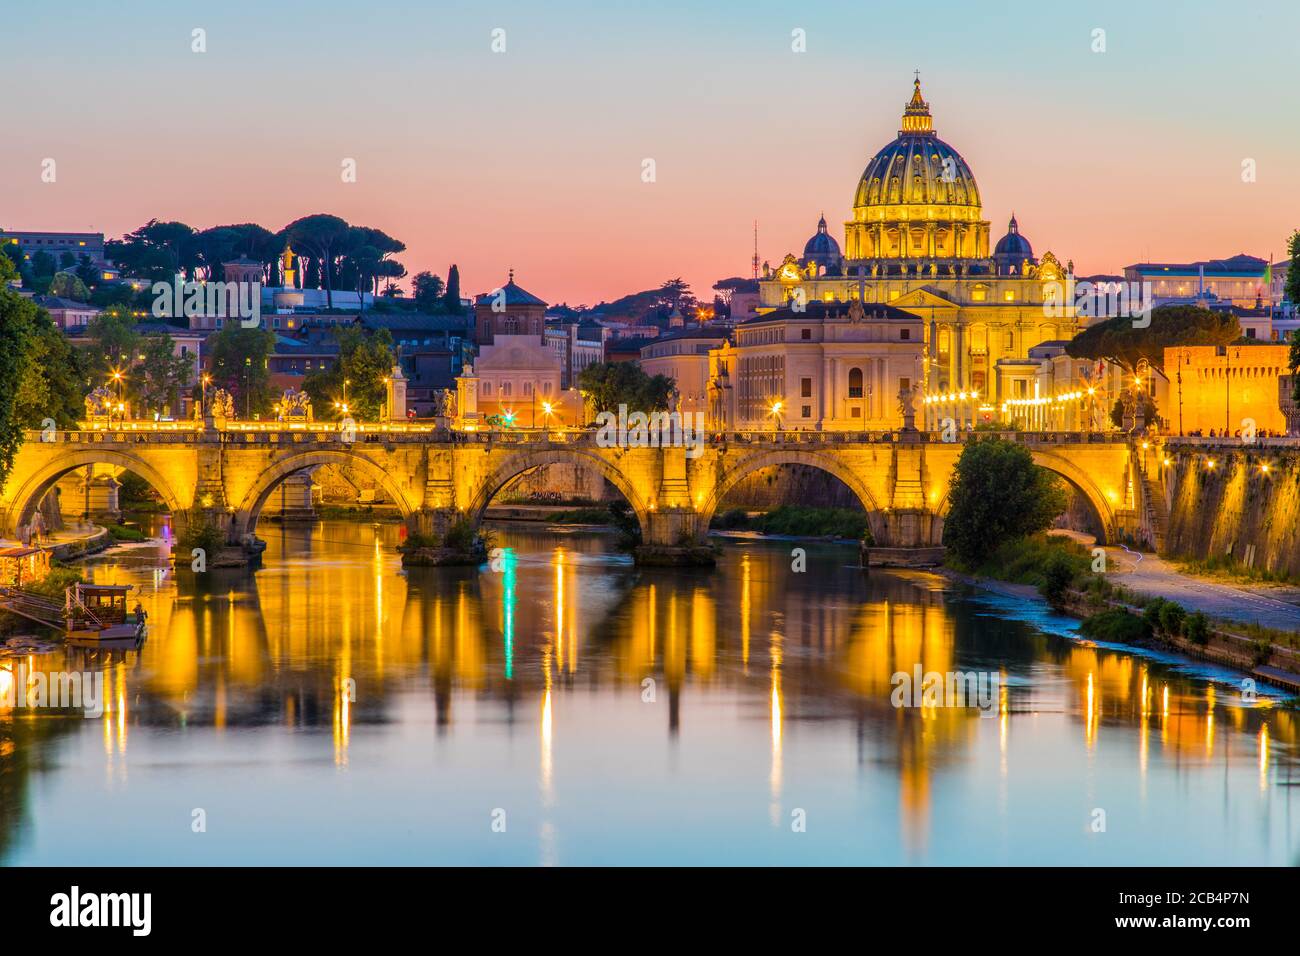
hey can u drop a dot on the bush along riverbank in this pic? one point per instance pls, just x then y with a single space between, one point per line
1065 575
796 520
460 546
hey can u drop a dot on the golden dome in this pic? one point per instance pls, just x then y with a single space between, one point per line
917 168
917 199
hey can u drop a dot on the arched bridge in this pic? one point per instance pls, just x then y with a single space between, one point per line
437 476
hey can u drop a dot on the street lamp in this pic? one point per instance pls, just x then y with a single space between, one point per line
547 411
203 397
248 399
776 415
121 389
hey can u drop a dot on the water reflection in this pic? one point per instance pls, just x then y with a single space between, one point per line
677 716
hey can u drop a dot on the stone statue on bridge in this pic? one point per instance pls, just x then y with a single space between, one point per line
99 403
444 403
907 405
223 404
294 406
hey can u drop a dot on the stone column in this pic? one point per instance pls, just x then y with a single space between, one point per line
396 398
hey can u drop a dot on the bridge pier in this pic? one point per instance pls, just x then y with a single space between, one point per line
672 537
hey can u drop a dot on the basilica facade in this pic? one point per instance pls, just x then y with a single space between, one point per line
918 242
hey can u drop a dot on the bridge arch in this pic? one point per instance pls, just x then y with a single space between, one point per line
1081 482
37 485
520 462
826 462
250 509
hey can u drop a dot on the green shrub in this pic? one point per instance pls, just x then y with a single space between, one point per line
1197 628
126 532
1027 561
581 516
416 540
1058 579
201 534
730 520
1116 626
1172 617
816 522
1151 612
56 582
1261 651
463 536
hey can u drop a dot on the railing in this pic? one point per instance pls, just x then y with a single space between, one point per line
269 433
1201 441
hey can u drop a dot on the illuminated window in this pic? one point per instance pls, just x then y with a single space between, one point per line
979 293
1009 295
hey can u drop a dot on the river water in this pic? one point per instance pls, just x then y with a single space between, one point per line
567 708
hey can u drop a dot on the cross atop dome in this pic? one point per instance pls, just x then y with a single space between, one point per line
916 114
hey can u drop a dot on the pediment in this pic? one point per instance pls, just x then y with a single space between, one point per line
925 297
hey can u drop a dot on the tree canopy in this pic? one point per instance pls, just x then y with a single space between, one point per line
40 372
365 361
998 494
239 365
607 385
1117 340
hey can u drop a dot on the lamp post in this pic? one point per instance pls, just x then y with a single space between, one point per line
203 395
121 391
1227 391
1181 359
776 415
547 410
248 399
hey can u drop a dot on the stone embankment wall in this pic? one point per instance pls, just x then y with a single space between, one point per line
1237 504
769 488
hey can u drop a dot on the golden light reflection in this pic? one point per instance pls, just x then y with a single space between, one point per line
1209 720
546 765
774 781
744 611
1088 725
342 721
1263 756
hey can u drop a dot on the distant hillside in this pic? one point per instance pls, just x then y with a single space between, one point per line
650 307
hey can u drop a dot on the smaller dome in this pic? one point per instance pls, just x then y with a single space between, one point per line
821 245
1013 243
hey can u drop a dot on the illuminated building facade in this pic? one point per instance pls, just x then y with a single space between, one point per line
1209 387
1241 280
684 357
917 241
833 366
519 373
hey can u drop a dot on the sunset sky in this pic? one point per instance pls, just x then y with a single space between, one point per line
532 158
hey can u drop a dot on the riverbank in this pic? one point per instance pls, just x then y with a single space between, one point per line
1259 652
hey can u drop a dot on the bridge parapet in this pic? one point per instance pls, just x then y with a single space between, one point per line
438 475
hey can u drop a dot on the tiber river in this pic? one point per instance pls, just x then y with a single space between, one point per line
570 709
